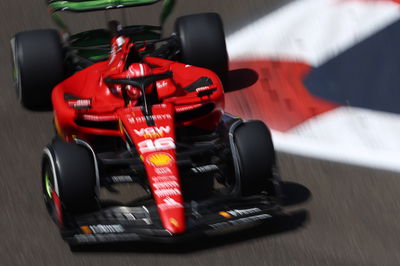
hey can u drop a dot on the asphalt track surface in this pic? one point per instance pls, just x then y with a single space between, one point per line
351 218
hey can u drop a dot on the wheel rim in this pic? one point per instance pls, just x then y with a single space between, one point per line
48 185
51 199
48 188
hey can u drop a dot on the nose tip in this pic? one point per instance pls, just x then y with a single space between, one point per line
174 226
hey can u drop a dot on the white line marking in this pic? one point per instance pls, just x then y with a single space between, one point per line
348 135
314 31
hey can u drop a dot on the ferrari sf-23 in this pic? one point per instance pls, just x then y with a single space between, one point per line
132 107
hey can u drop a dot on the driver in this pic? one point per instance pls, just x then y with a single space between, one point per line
135 70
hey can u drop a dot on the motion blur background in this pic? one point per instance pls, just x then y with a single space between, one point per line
351 218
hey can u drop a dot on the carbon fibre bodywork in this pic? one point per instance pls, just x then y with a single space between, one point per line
142 223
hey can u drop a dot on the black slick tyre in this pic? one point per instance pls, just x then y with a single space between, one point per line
202 42
37 67
255 158
68 180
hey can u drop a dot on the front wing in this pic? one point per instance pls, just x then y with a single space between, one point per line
142 223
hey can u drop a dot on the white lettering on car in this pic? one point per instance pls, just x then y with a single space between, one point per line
166 184
161 144
170 203
152 131
107 229
243 212
161 84
157 179
167 192
205 88
163 170
142 119
80 104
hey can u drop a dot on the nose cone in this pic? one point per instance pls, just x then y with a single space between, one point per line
174 221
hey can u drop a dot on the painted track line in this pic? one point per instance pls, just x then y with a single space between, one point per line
313 32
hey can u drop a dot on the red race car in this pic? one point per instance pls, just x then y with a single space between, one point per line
154 117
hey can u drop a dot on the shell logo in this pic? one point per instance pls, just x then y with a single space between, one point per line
174 222
160 159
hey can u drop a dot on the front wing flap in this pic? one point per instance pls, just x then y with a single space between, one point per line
142 223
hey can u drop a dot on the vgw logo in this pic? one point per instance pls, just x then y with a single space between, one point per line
153 132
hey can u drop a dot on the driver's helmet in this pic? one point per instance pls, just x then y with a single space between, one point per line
137 70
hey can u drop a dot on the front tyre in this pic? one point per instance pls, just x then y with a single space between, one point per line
254 158
202 42
68 180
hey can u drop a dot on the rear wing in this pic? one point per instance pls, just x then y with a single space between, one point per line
95 5
92 5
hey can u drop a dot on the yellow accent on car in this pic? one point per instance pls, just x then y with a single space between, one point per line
225 214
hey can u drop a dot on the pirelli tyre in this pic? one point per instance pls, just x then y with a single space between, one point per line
37 67
202 42
69 176
254 158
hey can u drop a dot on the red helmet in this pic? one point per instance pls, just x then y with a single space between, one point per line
136 70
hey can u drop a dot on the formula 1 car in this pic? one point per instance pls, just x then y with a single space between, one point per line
147 115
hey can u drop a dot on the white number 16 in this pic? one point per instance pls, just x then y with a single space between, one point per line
156 145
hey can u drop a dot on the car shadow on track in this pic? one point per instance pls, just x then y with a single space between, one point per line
284 223
294 194
239 79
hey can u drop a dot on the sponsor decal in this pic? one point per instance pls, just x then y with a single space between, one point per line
160 159
243 212
167 184
169 203
205 91
163 171
80 104
204 88
187 107
160 144
157 179
161 84
167 192
106 229
98 118
152 132
241 221
143 119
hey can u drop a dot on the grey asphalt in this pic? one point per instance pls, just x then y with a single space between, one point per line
352 217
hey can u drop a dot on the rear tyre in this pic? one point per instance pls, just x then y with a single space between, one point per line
255 158
38 66
68 180
202 42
